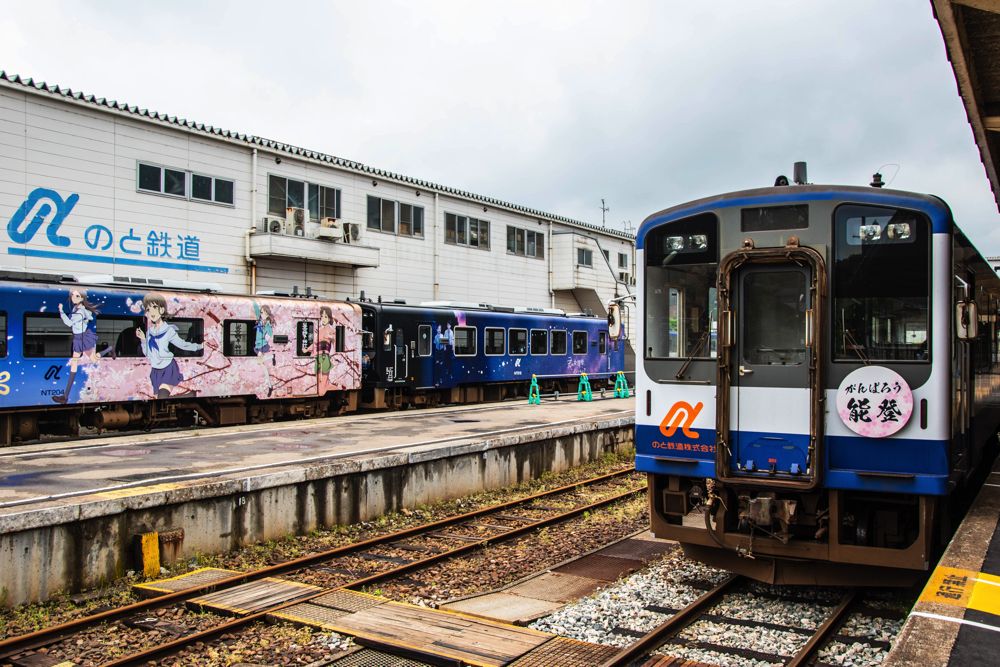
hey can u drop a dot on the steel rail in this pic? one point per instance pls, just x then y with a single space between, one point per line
174 646
805 654
656 637
39 638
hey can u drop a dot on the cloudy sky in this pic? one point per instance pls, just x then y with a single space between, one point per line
551 105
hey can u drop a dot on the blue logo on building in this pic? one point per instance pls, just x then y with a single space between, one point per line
47 207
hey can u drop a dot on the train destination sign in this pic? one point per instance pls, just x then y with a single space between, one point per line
874 401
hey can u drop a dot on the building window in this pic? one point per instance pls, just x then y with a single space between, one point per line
607 255
558 342
285 193
584 257
465 341
494 341
539 341
174 182
383 215
622 260
463 230
525 243
517 341
238 338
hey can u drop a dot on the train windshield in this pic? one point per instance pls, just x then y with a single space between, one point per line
682 262
881 284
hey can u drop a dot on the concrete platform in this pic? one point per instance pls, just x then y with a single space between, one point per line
70 513
956 620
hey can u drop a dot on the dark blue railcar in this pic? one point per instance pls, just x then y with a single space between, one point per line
456 353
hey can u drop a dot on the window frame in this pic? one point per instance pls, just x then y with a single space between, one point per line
510 346
465 223
552 342
518 242
227 346
475 341
623 261
602 342
487 343
425 332
531 349
189 177
584 257
309 189
300 349
586 341
416 217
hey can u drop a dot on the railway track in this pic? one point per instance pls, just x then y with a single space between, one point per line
352 567
652 649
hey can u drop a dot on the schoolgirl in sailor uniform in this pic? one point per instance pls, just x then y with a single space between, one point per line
80 320
164 375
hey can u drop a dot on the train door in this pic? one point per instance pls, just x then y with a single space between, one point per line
311 353
400 356
424 359
768 374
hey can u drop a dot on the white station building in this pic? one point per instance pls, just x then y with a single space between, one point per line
90 186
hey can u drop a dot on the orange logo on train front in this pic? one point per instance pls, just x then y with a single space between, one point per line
681 414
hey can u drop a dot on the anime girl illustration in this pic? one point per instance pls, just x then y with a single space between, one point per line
165 374
81 320
262 341
325 337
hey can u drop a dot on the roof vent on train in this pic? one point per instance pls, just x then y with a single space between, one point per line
463 305
35 276
539 311
132 281
295 293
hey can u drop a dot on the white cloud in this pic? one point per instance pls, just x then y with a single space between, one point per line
552 105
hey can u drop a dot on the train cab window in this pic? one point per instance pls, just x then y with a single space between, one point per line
424 340
238 338
465 341
494 341
339 338
579 342
3 334
682 261
881 284
558 342
305 332
190 330
539 341
517 341
602 342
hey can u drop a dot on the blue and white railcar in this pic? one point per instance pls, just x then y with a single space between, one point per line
425 354
818 378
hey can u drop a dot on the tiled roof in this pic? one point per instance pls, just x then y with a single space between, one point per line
40 86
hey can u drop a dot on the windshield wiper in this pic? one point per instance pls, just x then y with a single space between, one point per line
694 353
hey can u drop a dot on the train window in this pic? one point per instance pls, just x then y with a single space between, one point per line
558 342
304 337
772 218
424 340
539 341
465 341
3 334
602 342
46 335
190 330
681 307
517 341
881 284
494 341
775 303
339 338
238 338
579 342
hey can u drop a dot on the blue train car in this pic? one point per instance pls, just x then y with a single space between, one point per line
819 378
449 353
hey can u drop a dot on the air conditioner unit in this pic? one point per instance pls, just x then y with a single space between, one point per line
272 225
330 228
295 221
352 232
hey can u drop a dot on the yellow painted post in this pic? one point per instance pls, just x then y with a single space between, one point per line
149 548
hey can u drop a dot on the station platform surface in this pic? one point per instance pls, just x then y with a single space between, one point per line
45 475
956 620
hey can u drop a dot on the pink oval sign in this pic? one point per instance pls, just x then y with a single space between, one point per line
874 401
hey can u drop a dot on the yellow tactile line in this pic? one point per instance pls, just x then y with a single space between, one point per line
964 588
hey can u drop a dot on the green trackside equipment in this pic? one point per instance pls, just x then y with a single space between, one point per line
621 386
534 397
583 392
